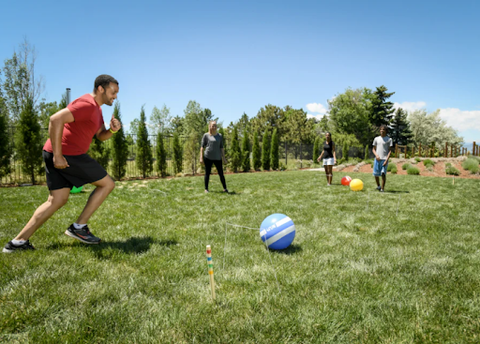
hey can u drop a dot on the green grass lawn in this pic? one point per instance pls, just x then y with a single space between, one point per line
365 267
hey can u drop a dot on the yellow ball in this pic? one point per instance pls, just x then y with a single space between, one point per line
356 185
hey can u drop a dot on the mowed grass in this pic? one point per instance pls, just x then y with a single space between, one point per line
365 267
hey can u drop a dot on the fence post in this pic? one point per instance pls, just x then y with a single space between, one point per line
285 154
413 152
396 150
474 148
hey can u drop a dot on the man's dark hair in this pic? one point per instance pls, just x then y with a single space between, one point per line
104 80
383 126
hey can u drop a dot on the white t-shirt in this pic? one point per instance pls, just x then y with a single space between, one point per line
382 146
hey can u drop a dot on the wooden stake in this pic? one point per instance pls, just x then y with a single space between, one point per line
210 270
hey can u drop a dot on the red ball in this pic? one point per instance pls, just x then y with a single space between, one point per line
346 180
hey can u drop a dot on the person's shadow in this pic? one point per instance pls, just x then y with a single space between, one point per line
134 245
395 191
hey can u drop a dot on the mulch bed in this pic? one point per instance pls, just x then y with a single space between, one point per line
438 169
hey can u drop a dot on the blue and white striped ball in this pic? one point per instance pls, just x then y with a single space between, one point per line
277 231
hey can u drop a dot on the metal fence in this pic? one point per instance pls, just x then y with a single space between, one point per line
291 155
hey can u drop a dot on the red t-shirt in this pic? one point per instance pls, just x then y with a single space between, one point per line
78 135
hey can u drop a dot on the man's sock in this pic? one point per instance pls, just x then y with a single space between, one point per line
18 242
77 226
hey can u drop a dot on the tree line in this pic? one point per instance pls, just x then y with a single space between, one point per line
353 118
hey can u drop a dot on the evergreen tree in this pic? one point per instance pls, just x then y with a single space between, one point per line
144 159
221 131
235 153
99 151
161 156
120 148
366 152
400 128
274 159
266 151
177 154
381 111
5 148
316 148
245 152
29 141
256 154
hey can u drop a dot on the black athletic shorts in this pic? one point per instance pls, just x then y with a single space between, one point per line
82 170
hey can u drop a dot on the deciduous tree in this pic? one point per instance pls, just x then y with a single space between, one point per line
20 83
267 118
160 120
349 114
429 127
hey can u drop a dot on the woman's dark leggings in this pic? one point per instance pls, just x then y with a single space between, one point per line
208 169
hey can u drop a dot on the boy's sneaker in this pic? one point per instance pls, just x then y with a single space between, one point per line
10 247
84 235
379 188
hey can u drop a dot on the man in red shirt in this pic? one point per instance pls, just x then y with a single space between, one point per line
67 165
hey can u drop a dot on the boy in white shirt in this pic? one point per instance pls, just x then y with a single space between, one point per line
381 149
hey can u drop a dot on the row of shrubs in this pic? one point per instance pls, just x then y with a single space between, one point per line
472 164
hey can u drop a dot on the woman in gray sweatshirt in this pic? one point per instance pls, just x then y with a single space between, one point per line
213 153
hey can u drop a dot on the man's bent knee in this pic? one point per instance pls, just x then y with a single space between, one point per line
106 182
58 198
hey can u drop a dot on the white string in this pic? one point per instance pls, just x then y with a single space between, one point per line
398 204
266 246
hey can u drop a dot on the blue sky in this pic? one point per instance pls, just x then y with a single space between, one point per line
235 57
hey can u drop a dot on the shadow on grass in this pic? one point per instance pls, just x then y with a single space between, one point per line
130 246
292 249
229 193
395 191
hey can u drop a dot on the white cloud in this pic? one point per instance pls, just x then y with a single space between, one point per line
461 120
317 117
466 123
315 107
410 106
